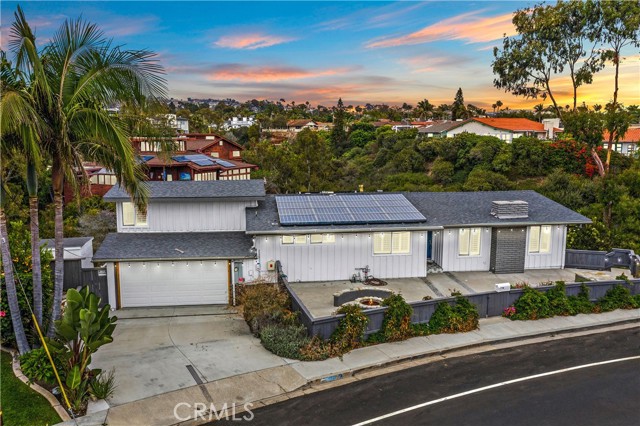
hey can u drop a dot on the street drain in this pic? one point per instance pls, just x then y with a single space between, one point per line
194 374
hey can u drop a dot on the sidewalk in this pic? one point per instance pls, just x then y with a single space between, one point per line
275 384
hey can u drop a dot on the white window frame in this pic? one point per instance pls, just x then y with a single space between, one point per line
465 237
540 239
293 239
391 243
235 153
140 220
322 238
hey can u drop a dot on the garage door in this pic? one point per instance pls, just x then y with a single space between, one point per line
173 283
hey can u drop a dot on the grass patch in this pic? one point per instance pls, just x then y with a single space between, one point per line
20 404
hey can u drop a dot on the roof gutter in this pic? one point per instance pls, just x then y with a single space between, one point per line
175 259
285 231
190 199
511 224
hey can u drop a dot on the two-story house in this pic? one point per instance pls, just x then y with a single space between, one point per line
197 238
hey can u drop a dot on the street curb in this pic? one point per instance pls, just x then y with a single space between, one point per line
524 337
52 400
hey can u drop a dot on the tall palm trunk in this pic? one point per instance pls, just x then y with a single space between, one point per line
10 283
58 182
613 108
36 267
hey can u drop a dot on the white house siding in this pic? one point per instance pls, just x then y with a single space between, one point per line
483 130
200 216
337 261
453 262
555 258
86 252
111 285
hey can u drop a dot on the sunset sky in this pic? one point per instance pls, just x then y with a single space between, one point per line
318 51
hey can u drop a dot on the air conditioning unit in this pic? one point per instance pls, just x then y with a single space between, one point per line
503 287
271 265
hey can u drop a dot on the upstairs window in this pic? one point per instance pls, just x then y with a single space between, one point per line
132 216
469 241
236 153
540 239
294 239
322 238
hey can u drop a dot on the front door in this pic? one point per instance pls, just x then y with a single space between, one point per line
429 244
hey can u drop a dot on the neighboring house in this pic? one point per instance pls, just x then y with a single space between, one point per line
180 124
237 123
101 180
195 240
187 248
438 130
627 144
298 125
506 129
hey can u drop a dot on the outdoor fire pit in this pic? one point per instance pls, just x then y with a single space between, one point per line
352 294
368 302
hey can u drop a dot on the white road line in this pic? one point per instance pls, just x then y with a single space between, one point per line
508 382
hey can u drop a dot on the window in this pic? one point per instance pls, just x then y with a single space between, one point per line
391 243
322 238
469 241
215 155
132 217
540 239
236 153
294 239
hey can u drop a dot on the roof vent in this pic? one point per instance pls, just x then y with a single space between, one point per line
510 209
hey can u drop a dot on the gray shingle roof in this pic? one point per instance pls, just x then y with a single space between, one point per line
474 208
440 127
175 246
217 189
441 209
67 242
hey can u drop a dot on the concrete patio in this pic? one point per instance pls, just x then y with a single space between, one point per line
318 296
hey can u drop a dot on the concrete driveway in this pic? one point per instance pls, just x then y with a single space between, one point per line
153 347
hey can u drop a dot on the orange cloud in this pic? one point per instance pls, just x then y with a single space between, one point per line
250 41
246 73
468 26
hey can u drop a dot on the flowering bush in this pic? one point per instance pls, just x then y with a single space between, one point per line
511 310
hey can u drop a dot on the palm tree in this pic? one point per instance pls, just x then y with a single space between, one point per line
538 110
498 105
77 74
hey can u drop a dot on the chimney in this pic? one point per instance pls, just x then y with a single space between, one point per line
510 209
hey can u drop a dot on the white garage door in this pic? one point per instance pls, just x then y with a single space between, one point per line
173 283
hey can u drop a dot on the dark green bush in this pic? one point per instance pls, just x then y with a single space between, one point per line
36 366
581 304
463 316
619 297
284 340
558 301
397 319
532 305
104 385
350 331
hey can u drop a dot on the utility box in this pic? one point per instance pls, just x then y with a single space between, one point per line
271 265
503 287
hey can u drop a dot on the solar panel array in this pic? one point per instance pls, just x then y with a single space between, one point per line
340 209
202 160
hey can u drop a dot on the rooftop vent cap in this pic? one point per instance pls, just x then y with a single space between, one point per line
516 209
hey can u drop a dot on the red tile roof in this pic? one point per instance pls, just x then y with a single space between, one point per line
513 124
632 135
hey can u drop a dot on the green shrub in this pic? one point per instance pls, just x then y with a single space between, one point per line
619 297
264 305
350 331
284 340
532 305
316 350
36 366
396 324
103 385
581 304
558 300
461 317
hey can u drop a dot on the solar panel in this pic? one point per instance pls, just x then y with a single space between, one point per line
224 163
340 209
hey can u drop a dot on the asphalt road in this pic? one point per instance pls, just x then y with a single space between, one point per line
599 395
